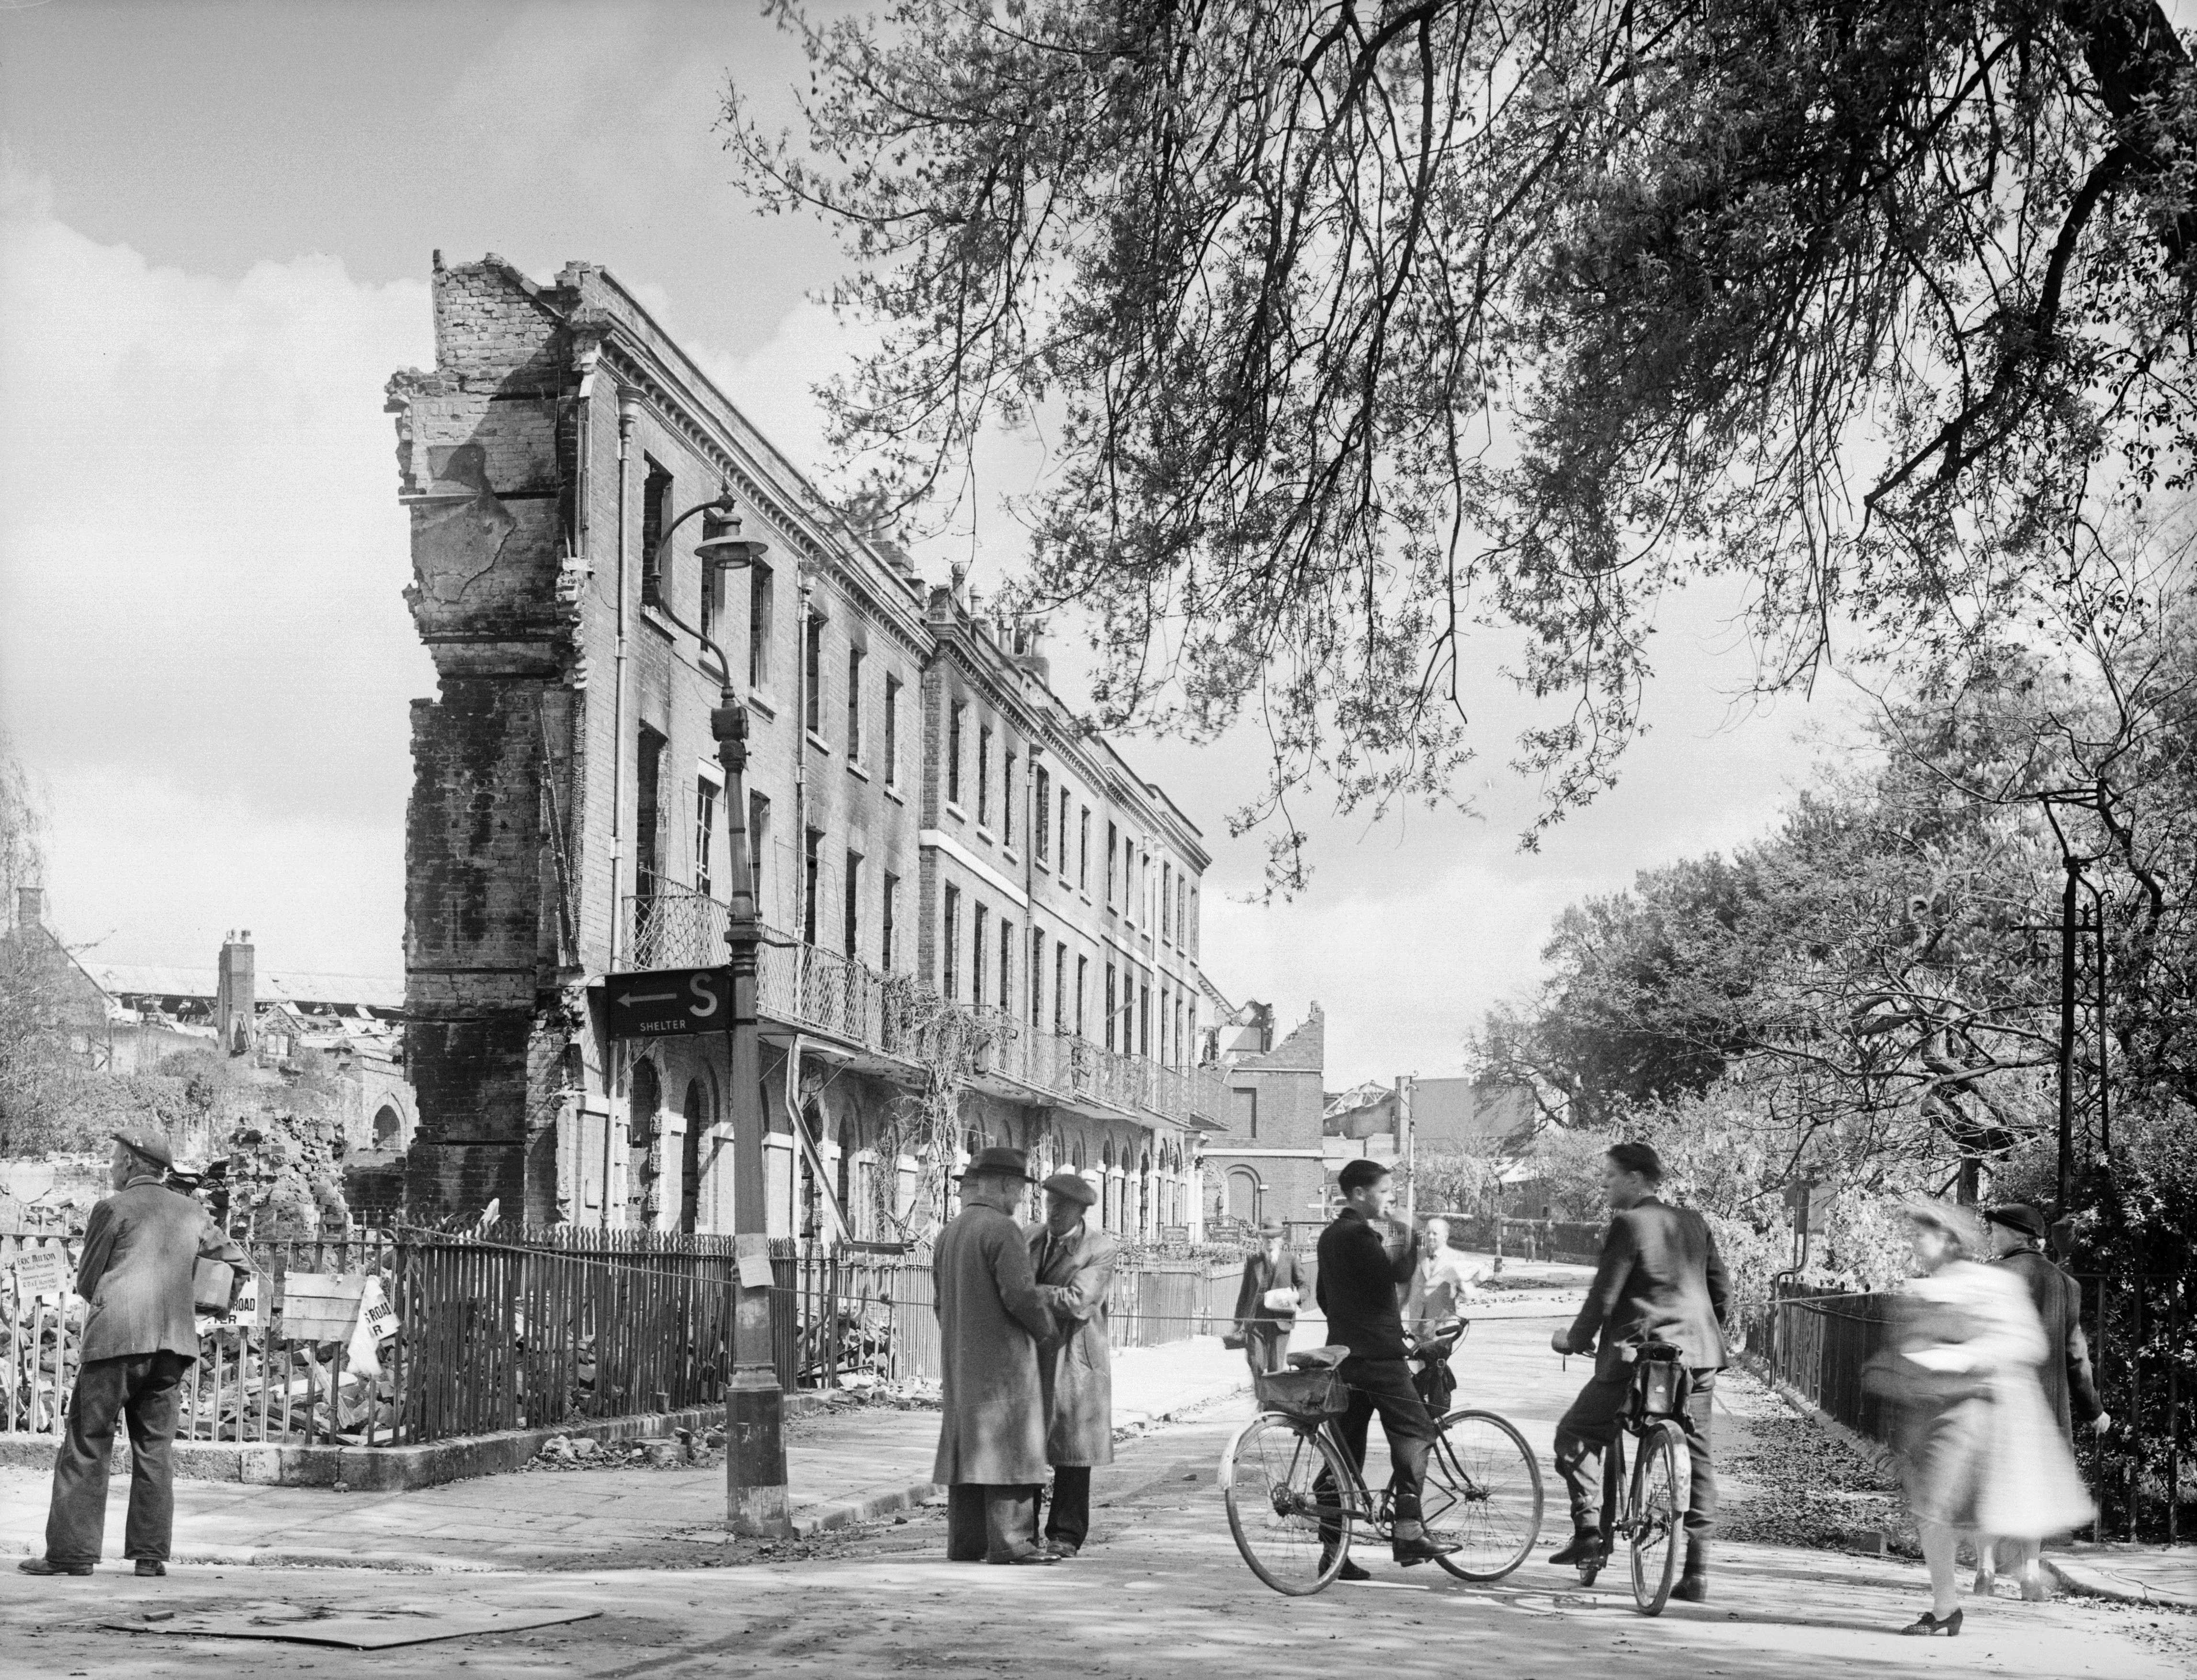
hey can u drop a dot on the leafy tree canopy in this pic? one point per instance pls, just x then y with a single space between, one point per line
1354 327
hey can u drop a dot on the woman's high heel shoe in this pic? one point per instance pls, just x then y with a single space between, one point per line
1926 1624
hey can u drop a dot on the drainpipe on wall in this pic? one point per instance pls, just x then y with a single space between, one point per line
628 412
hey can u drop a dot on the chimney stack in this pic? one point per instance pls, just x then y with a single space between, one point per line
236 1003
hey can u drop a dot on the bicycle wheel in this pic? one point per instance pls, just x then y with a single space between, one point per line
1274 1508
1659 1512
1483 1492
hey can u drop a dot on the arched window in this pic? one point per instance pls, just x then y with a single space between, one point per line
1243 1191
699 1111
388 1127
644 1097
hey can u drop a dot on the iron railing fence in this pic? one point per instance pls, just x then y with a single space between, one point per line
1818 1341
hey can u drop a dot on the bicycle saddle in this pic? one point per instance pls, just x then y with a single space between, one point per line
1318 1358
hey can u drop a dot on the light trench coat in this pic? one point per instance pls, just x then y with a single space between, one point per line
1982 1448
991 1320
1075 1364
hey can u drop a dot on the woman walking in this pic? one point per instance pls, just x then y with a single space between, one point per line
1980 1450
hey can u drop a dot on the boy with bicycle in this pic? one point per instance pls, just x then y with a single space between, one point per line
1659 1278
1357 1290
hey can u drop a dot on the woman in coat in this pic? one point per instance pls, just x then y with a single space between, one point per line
1981 1450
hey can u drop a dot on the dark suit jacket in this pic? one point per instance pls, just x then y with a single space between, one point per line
2069 1389
141 1248
1659 1278
1261 1276
1358 1284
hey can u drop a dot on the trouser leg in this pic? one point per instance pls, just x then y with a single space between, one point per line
1582 1434
153 1403
1702 1500
1267 1347
1010 1511
1388 1388
1351 1428
1069 1521
964 1523
76 1521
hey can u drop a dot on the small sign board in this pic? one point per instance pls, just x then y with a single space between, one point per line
42 1273
247 1312
321 1307
669 1002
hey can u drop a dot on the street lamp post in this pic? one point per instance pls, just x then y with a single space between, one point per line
755 1444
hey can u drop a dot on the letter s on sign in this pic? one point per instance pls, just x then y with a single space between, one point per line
703 984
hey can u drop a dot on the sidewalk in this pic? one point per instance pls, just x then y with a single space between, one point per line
2132 1575
844 1467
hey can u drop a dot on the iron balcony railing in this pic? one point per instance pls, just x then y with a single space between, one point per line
804 985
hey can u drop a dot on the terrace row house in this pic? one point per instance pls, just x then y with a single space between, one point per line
968 893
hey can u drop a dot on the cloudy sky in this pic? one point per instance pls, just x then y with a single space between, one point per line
216 222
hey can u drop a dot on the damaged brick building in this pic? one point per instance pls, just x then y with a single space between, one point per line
933 830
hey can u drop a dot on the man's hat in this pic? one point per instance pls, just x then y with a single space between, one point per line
2019 1216
147 1142
997 1162
1073 1186
1272 1228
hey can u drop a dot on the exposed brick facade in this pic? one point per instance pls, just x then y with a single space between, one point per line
559 429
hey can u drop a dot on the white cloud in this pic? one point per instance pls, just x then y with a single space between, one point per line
202 643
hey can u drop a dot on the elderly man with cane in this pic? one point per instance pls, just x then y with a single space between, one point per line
991 1321
1074 1268
141 1251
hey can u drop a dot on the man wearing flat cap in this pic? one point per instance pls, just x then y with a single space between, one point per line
140 1249
2017 1235
1266 1300
1074 1265
991 1321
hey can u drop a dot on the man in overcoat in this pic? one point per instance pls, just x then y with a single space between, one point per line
1659 1279
1073 1263
141 1250
991 1320
1266 1329
2017 1234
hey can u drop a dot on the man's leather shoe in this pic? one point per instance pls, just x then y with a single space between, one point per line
1349 1571
1693 1589
1021 1559
1423 1549
151 1566
1584 1545
46 1566
1061 1550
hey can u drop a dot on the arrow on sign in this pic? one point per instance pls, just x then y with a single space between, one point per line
648 997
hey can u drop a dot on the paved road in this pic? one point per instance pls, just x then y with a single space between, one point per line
1160 1593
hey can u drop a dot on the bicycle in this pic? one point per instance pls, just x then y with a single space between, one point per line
1649 1509
1291 1489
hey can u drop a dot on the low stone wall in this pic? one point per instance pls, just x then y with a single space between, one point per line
389 1468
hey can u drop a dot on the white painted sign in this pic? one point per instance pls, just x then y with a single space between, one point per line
42 1273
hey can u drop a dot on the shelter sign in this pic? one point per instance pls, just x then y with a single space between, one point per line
669 1002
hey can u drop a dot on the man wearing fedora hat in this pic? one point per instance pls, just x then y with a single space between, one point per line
1074 1265
991 1321
140 1249
2017 1235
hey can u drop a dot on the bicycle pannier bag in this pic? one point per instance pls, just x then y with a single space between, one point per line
1662 1385
1309 1394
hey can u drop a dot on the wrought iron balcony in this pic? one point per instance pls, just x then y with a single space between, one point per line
805 986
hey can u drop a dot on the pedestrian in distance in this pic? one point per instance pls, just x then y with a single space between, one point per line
1358 1288
1445 1282
1074 1265
141 1248
1266 1301
1659 1278
1980 1452
2017 1238
991 1321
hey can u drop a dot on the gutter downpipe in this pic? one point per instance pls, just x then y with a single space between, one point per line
629 411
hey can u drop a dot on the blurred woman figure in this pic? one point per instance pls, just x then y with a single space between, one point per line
1981 1452
1444 1281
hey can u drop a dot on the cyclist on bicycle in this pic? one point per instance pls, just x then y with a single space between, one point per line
1357 1290
1659 1279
